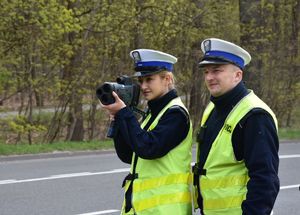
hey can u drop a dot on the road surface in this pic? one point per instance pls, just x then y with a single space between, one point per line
90 184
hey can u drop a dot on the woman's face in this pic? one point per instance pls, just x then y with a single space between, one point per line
154 86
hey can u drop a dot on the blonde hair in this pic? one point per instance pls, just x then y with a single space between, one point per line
163 74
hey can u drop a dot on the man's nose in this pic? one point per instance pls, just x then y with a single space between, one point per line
208 76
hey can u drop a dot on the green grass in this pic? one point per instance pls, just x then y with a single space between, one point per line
289 134
18 149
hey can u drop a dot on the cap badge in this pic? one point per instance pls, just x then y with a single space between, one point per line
207 45
136 56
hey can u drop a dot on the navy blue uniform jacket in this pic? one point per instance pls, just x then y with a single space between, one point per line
130 137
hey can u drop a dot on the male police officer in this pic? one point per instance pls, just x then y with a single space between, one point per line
237 161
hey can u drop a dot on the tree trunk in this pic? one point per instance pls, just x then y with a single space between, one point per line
198 99
91 121
75 129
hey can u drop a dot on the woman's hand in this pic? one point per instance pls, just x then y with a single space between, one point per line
115 107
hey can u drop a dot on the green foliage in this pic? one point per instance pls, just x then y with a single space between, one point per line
21 125
55 53
5 78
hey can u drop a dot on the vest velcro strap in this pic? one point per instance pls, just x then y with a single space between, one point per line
146 184
228 202
129 177
228 181
198 171
200 134
173 198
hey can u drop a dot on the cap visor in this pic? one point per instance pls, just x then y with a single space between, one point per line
146 73
208 62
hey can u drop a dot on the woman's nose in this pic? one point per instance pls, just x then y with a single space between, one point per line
142 85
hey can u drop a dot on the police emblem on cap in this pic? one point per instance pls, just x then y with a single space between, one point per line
136 56
207 45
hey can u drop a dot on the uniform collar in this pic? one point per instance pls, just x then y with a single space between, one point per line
156 105
231 98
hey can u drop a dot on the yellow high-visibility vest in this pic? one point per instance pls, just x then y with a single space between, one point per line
163 184
223 187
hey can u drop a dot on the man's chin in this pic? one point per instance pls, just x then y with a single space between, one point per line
215 93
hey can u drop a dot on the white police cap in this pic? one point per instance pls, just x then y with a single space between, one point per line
148 61
217 51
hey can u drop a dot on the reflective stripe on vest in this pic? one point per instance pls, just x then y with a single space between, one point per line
223 188
162 186
159 183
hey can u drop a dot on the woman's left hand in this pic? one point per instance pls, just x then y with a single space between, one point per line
115 107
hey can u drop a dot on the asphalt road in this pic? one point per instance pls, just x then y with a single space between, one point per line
90 184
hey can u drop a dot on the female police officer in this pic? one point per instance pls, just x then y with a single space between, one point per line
159 149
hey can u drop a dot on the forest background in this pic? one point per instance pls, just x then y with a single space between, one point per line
54 54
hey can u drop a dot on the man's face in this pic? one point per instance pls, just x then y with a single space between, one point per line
220 79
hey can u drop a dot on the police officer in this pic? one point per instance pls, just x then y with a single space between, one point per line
159 150
237 161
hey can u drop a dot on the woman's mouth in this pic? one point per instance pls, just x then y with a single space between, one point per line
146 93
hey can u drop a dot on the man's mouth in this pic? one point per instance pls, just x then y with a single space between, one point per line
212 84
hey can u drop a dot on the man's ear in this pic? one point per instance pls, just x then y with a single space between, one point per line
238 74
